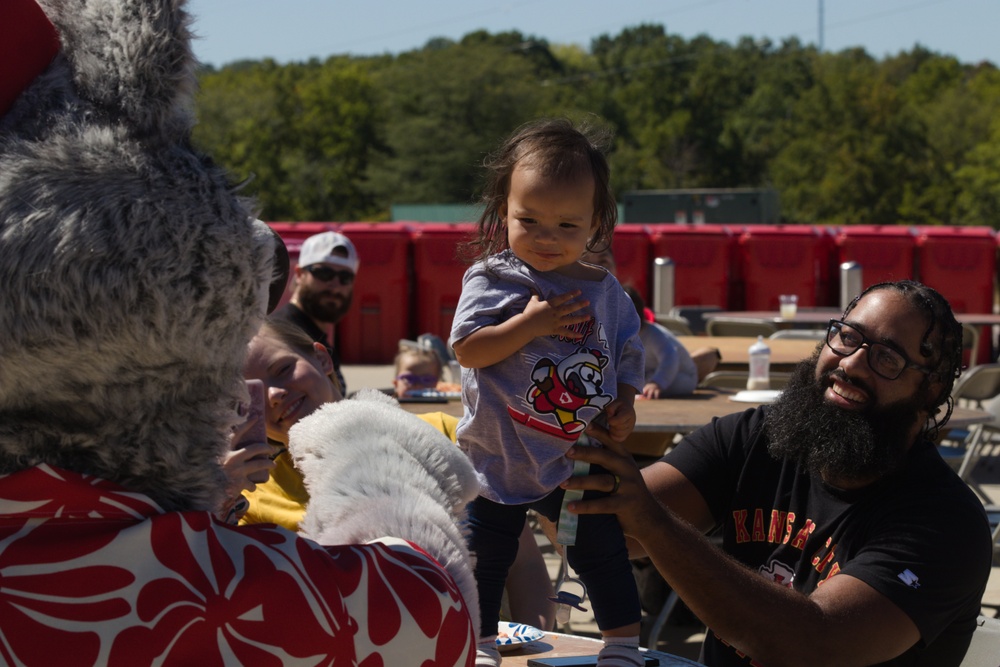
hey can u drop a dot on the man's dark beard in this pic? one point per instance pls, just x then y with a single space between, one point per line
313 306
837 443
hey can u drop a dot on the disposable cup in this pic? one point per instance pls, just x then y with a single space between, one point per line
789 305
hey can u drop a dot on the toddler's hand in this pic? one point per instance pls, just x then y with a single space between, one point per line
651 390
557 316
621 419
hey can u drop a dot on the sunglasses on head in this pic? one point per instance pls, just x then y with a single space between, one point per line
326 274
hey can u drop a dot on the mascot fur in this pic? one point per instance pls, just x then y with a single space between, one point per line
373 469
132 279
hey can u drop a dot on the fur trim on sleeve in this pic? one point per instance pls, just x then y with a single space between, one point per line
374 470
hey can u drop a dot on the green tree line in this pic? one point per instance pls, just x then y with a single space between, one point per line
843 137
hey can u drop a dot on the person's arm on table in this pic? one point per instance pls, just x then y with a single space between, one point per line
660 349
843 622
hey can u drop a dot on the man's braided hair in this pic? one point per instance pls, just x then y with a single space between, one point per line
942 340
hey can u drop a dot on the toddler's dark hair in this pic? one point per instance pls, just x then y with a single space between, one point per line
558 149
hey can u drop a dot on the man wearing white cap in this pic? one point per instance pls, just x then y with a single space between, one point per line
324 287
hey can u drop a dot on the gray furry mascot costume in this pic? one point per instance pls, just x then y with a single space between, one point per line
132 279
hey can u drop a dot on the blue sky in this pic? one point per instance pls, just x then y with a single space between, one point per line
296 30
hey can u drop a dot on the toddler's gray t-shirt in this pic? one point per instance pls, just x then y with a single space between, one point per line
523 413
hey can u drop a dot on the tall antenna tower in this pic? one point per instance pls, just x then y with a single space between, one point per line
821 26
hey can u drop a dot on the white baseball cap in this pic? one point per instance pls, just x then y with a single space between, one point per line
319 249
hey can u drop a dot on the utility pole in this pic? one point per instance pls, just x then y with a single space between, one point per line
820 26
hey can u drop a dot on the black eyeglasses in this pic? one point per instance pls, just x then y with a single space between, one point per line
886 361
326 274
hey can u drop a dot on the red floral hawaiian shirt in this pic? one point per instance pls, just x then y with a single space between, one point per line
91 573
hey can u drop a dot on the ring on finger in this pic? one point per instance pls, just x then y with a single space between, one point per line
618 481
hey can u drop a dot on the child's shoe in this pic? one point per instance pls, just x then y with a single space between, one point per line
620 652
487 654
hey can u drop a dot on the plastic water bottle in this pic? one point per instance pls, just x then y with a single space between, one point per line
455 371
760 366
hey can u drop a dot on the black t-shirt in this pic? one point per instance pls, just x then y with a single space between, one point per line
919 536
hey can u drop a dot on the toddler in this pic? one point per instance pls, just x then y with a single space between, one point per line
547 344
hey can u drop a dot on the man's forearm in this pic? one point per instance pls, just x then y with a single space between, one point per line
773 624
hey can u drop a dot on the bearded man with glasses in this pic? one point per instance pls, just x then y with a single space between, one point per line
324 288
846 539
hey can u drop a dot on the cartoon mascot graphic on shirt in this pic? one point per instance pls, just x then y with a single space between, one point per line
564 389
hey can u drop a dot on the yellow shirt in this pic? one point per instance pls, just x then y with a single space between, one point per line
442 422
283 497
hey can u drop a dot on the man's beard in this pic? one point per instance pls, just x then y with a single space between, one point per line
831 441
313 305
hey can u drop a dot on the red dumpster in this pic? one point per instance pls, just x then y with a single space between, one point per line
704 258
293 234
380 312
884 252
438 272
630 246
960 263
785 259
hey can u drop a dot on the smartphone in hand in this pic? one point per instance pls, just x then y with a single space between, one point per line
255 414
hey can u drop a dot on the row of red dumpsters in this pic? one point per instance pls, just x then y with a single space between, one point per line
411 276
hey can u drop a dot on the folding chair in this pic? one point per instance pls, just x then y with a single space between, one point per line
661 619
718 326
970 342
738 380
801 334
676 325
656 629
984 650
993 515
695 316
978 384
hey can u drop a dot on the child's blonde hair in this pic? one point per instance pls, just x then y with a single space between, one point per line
420 354
296 339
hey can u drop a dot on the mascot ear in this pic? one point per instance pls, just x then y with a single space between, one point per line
28 43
